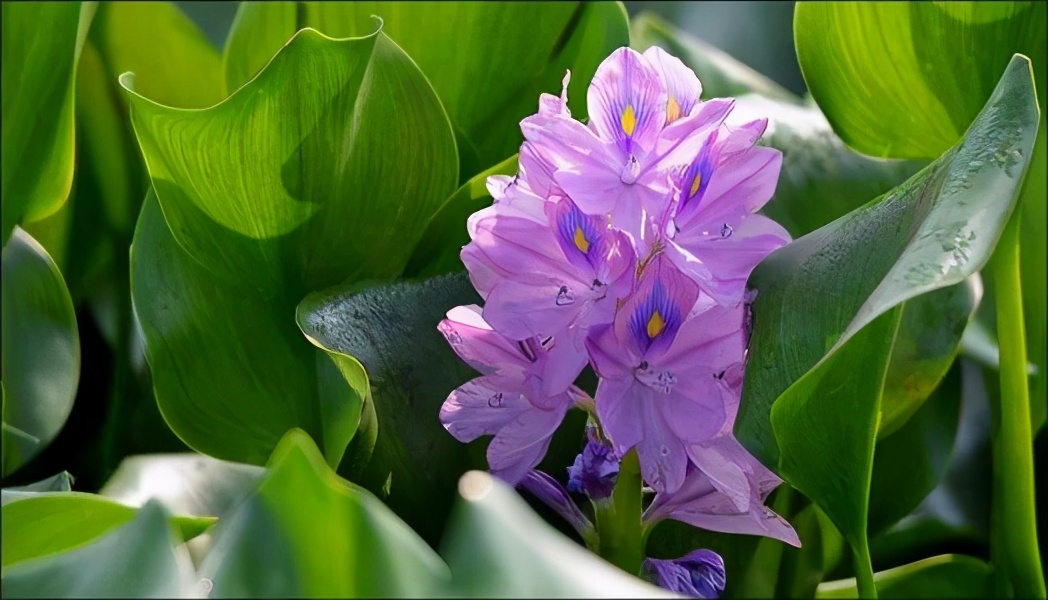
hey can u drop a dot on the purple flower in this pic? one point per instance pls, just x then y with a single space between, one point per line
520 397
698 574
724 491
595 469
715 237
542 276
620 163
659 388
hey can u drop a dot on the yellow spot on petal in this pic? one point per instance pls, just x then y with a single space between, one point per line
580 240
655 325
672 110
628 121
695 184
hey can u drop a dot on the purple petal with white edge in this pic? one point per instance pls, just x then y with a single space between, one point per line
718 463
698 574
700 504
482 406
521 249
682 86
553 495
482 348
521 444
620 414
537 170
650 318
626 102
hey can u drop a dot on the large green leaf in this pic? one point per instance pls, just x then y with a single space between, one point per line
891 76
324 168
142 558
497 547
488 61
307 532
947 576
392 330
812 409
40 524
721 75
892 80
41 350
40 51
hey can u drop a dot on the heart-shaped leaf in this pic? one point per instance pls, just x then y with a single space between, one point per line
41 358
269 195
812 409
488 61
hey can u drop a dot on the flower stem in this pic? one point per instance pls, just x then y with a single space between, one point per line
619 519
864 570
1015 519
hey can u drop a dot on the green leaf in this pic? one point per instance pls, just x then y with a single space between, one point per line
392 331
486 66
38 524
40 51
307 532
141 558
946 576
891 77
438 250
185 484
910 462
292 184
838 294
41 358
722 76
497 547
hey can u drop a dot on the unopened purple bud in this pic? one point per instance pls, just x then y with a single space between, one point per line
595 470
699 574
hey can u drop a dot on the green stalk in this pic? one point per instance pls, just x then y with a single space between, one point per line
619 519
1014 509
864 570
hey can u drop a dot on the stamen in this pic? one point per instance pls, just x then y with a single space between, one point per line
672 110
580 240
655 325
628 121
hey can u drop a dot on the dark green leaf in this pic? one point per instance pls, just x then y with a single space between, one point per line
392 331
41 358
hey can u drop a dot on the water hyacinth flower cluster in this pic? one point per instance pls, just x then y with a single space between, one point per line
624 244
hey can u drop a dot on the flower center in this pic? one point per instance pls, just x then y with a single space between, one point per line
655 325
628 121
672 110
